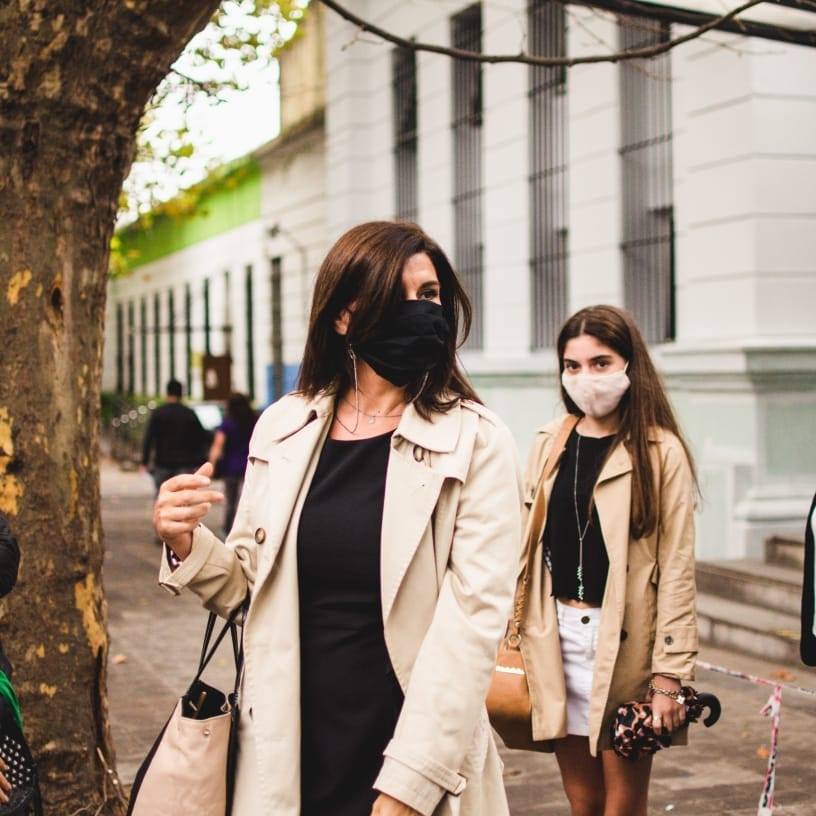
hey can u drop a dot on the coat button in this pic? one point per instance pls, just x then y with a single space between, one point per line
624 635
585 619
668 640
260 535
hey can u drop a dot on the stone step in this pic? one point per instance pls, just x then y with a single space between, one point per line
786 552
741 627
760 585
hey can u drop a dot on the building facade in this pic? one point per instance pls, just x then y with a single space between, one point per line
682 189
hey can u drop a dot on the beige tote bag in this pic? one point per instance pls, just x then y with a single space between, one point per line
191 768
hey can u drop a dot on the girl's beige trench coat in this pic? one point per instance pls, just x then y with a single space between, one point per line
648 620
450 542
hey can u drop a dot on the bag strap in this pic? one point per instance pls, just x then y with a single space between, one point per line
230 626
536 519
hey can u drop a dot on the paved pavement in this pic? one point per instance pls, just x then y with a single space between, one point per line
154 648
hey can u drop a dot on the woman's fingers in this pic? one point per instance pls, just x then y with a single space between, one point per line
192 512
180 498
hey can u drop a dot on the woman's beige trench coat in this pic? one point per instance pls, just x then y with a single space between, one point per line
648 621
450 541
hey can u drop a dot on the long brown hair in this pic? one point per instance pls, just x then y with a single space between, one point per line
364 267
644 407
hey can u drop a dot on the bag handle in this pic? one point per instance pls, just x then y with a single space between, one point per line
208 651
534 522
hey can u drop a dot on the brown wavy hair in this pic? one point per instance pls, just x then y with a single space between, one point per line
644 407
364 267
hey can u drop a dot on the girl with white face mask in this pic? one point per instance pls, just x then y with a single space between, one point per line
612 612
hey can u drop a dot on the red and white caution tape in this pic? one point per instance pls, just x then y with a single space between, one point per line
772 709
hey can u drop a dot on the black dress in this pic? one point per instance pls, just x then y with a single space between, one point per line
350 698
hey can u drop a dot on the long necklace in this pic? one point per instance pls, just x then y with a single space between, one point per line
581 534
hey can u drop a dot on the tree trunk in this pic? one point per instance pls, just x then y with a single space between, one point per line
74 78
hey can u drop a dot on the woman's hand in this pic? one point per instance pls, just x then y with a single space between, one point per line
386 805
5 785
182 502
667 714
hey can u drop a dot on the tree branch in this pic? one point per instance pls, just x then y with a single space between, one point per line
644 52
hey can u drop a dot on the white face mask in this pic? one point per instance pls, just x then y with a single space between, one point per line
597 395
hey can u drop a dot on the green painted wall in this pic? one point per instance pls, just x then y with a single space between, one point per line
226 200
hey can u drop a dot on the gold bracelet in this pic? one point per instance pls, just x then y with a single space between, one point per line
677 696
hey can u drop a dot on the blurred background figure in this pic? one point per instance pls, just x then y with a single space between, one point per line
9 564
230 450
175 438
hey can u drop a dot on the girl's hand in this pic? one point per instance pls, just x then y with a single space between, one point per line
182 502
5 785
388 806
667 714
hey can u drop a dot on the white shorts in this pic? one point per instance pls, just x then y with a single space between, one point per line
578 630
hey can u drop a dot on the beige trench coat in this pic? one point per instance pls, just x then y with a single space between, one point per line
451 527
648 620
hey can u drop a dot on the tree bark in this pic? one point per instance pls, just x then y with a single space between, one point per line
74 78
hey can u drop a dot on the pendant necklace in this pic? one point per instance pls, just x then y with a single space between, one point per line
581 534
372 418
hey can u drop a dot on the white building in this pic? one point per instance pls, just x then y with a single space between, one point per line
684 189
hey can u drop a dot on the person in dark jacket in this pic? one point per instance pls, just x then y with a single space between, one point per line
808 641
9 564
175 438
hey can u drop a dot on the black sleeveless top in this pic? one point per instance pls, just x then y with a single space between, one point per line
350 698
561 530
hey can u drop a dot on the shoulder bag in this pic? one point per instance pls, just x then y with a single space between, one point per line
508 699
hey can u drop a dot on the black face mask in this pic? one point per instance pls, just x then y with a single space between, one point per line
412 342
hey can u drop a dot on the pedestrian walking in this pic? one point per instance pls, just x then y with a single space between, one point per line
230 450
612 618
377 541
175 441
808 639
9 564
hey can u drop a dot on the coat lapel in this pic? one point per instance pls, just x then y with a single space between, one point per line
412 487
290 460
613 499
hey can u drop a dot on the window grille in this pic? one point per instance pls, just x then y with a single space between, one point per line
171 331
250 332
157 333
131 348
404 98
548 173
647 179
276 276
143 343
120 348
466 33
188 337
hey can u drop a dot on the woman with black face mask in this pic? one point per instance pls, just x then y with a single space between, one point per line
377 542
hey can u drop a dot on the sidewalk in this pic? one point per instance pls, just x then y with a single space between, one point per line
159 637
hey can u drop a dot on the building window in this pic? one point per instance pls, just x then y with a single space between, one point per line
548 173
120 348
466 33
276 287
250 332
207 316
131 348
143 343
171 331
188 337
157 333
404 95
647 178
